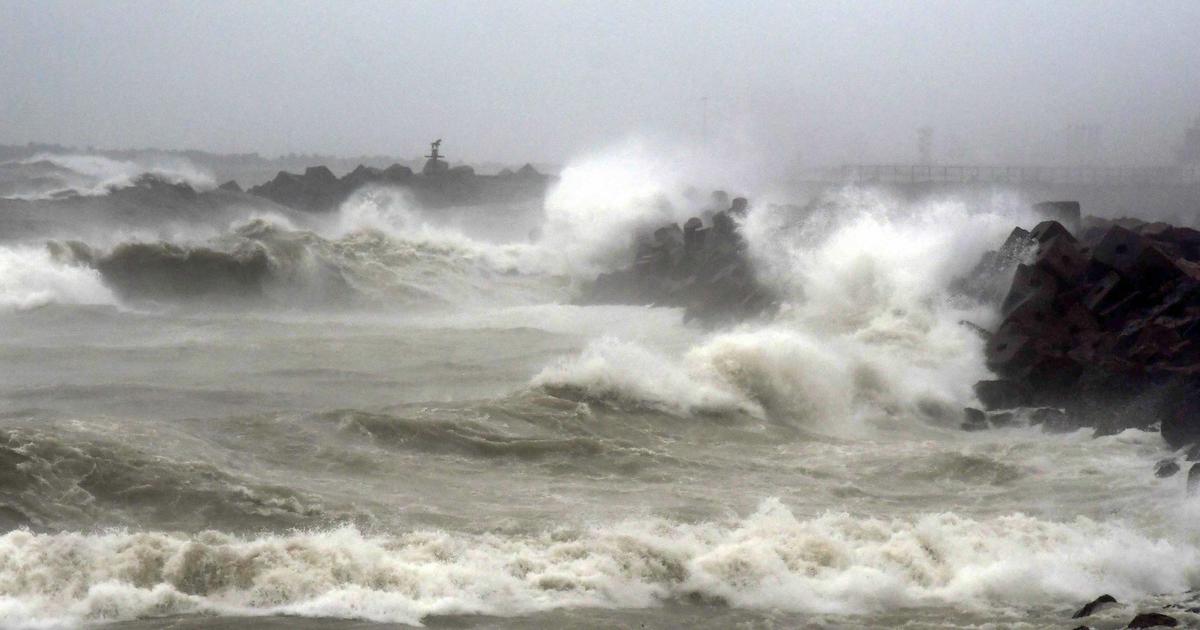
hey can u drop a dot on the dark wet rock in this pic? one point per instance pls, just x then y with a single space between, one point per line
1002 394
1001 418
1193 480
1094 606
1065 212
1180 414
1104 326
987 280
438 185
1153 620
396 173
1052 420
1165 468
705 270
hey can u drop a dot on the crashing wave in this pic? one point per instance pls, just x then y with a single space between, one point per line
32 277
869 334
774 559
55 176
264 263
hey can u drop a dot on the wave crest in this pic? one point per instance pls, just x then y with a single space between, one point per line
832 563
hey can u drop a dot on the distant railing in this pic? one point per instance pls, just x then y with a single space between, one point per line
969 174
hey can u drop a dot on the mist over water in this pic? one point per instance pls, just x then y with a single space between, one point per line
396 414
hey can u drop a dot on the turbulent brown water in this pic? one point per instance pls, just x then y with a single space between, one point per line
405 421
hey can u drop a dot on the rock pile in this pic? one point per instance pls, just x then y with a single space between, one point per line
319 190
701 268
1103 327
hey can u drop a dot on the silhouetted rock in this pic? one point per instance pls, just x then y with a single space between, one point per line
231 186
1064 212
1180 414
1094 606
703 269
1002 394
317 190
986 282
396 173
439 185
1153 620
1052 420
1165 468
1105 327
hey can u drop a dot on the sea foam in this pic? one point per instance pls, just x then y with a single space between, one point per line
772 559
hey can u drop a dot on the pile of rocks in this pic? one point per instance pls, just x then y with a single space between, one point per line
1100 327
319 190
1112 610
701 268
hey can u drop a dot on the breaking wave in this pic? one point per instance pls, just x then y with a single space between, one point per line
261 262
772 559
50 176
31 277
870 333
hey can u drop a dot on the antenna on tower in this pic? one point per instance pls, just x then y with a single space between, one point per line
435 165
433 150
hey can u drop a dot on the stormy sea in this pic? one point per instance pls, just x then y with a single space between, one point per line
221 411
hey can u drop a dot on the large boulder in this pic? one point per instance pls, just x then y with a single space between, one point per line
1153 620
1064 212
1094 606
704 269
1106 327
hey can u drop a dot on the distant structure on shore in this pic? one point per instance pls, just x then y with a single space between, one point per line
435 165
438 184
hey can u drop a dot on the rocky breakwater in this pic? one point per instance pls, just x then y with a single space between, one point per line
702 268
1100 328
319 190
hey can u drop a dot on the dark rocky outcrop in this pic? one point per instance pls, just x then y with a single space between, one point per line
1094 606
438 185
1166 468
1105 327
703 269
1153 620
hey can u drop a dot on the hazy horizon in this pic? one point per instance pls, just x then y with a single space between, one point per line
809 83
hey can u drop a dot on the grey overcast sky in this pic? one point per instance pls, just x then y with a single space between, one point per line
819 82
